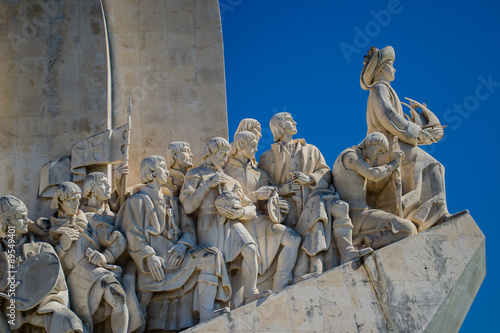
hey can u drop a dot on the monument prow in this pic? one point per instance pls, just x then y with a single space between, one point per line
425 283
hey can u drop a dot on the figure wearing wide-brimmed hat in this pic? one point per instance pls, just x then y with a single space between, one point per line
423 198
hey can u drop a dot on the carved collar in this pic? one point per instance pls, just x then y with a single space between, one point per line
236 163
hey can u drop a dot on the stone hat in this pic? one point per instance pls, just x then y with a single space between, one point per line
9 204
373 59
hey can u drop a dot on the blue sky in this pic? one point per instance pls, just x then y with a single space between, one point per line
305 58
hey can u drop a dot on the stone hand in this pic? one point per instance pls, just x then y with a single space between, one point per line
155 266
284 206
264 192
300 178
97 258
436 132
232 213
398 156
121 170
178 252
289 188
68 236
218 178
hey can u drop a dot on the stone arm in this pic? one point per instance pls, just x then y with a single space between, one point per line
110 238
193 192
393 122
353 162
322 175
133 217
264 180
186 224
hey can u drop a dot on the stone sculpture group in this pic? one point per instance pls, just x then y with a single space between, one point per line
191 243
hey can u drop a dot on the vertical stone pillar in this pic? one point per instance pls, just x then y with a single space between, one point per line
52 87
168 56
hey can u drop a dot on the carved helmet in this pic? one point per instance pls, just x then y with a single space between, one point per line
373 60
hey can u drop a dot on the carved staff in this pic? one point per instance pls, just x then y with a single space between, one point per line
398 182
125 152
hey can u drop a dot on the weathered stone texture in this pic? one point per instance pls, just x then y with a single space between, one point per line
425 283
52 58
166 54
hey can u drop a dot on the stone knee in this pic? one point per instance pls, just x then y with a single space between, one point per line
208 263
249 251
291 239
340 209
115 295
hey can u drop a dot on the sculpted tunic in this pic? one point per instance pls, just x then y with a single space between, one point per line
230 237
310 209
266 234
278 162
86 282
424 198
54 305
153 224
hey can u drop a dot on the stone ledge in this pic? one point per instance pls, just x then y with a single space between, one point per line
425 283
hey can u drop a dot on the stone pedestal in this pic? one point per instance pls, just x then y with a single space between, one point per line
425 283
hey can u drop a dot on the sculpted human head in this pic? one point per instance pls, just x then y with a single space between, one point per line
250 125
374 145
378 65
180 152
97 184
282 123
154 167
216 152
13 213
67 199
246 143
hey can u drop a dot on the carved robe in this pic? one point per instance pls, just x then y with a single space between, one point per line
424 198
266 234
85 280
52 311
309 213
230 237
153 224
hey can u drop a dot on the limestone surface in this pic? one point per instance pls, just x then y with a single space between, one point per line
425 283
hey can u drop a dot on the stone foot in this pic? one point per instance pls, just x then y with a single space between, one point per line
355 254
219 312
257 295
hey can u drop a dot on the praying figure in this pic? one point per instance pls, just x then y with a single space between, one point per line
372 227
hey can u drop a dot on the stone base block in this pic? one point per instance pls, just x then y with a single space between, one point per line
425 283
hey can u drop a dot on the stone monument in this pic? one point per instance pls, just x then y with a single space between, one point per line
121 104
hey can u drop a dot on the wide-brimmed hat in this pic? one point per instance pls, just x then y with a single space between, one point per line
373 60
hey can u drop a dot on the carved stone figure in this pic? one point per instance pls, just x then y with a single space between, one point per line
305 181
423 198
87 254
101 215
170 266
42 302
222 227
268 235
250 125
372 227
179 161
